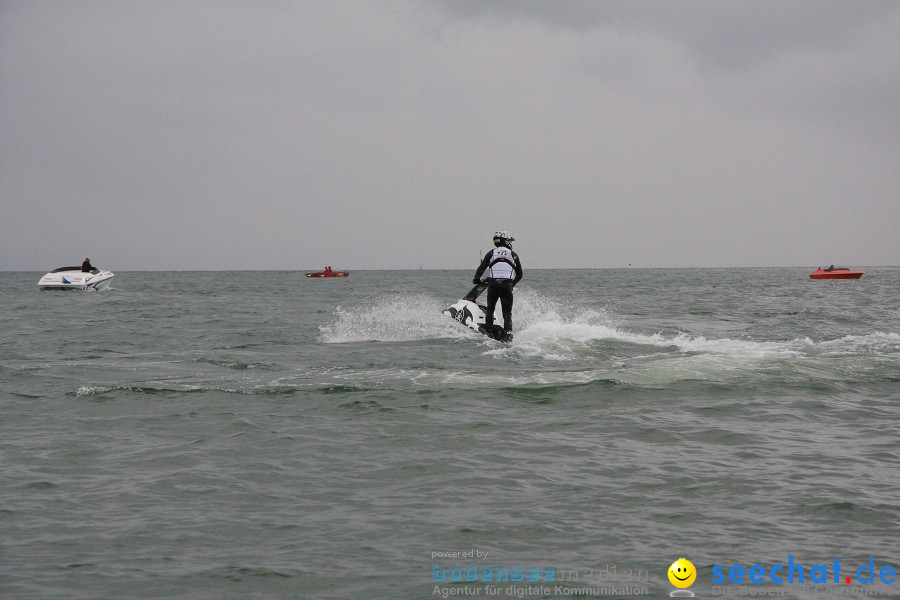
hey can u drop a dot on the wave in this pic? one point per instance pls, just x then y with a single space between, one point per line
549 330
393 319
99 391
877 342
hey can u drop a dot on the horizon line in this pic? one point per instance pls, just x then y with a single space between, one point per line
183 270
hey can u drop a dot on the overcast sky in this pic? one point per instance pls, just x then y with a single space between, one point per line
277 134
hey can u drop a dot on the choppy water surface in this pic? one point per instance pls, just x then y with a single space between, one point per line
261 435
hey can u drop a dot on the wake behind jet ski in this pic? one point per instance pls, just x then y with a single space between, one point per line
472 314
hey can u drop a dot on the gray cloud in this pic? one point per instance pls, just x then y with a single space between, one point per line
728 34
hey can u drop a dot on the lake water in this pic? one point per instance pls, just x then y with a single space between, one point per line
242 435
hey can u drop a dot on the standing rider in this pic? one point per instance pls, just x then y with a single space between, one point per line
503 263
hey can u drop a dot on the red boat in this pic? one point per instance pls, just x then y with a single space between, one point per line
834 272
327 272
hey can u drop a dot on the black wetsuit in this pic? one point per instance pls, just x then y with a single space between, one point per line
500 289
86 267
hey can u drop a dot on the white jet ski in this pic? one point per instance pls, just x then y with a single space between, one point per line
72 278
471 314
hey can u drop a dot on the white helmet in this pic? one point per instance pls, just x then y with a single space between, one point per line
502 238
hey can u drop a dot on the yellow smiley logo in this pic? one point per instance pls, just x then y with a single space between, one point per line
682 573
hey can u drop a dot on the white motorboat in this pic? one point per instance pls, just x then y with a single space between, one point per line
72 278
